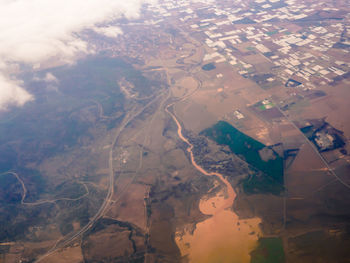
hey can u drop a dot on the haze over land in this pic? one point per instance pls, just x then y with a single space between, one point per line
174 131
38 31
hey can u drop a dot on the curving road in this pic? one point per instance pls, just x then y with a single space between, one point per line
40 202
108 199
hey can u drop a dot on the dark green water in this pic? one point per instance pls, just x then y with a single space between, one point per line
248 149
269 250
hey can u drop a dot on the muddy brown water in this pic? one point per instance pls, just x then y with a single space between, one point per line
223 237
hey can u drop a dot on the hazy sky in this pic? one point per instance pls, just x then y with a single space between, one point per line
32 31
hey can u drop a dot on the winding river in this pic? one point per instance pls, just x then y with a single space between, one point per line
223 237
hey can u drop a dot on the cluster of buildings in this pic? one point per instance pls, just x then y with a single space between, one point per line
273 28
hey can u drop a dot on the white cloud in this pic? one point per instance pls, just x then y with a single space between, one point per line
11 93
32 31
49 77
109 31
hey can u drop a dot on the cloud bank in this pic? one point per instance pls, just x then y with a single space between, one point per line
33 31
11 93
